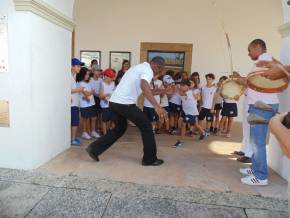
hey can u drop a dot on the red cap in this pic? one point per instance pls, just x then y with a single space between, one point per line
109 73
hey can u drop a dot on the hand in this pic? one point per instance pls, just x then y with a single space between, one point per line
275 72
277 120
162 113
80 89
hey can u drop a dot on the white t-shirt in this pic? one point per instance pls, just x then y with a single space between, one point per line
207 96
86 102
129 88
219 99
175 99
253 96
95 84
108 89
189 103
157 85
164 101
75 97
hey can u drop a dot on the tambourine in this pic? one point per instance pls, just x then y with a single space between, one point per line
232 90
262 84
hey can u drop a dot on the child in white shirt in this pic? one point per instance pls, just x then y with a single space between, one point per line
87 105
107 88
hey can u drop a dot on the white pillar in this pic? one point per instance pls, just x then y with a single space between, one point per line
277 161
37 84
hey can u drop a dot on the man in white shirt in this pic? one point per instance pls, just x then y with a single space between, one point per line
258 173
123 103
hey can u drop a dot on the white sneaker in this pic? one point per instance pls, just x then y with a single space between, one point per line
246 171
252 180
86 135
95 135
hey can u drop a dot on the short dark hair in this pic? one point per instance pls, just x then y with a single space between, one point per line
81 75
93 61
159 61
185 82
259 42
170 73
195 74
210 75
223 78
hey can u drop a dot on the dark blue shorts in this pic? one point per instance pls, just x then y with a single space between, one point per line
167 109
174 108
205 113
107 115
88 112
230 110
150 114
218 106
189 119
75 116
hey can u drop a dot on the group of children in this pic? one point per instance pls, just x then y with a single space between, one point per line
94 89
188 104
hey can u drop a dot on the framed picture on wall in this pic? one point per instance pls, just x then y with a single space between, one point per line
117 58
172 59
87 56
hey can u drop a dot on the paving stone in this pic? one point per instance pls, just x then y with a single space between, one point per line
5 185
61 202
40 178
153 208
187 194
253 213
18 199
14 175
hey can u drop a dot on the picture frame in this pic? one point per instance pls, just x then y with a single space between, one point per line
86 56
173 59
117 58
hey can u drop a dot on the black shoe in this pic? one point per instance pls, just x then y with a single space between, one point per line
202 137
211 129
92 155
155 163
244 159
215 130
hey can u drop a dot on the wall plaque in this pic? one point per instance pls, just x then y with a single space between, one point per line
3 44
4 114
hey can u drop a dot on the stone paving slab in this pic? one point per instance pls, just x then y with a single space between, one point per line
18 199
265 214
70 203
157 208
187 194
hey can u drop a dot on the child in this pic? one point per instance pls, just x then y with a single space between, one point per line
87 105
95 83
148 108
106 90
167 83
229 111
189 100
218 105
208 99
175 106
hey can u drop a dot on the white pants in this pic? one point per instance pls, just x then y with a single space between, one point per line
246 147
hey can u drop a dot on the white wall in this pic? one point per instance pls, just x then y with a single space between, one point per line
37 87
121 25
277 161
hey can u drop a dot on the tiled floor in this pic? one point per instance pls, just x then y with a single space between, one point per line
208 166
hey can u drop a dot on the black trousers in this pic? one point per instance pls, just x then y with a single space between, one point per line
122 114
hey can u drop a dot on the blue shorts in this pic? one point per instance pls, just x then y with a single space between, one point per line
88 112
174 108
107 115
75 116
150 114
189 119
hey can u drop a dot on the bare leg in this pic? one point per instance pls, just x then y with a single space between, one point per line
93 124
182 131
74 131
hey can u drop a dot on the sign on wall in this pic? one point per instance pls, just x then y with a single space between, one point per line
3 44
4 114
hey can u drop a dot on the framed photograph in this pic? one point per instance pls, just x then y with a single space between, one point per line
172 59
117 58
87 56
